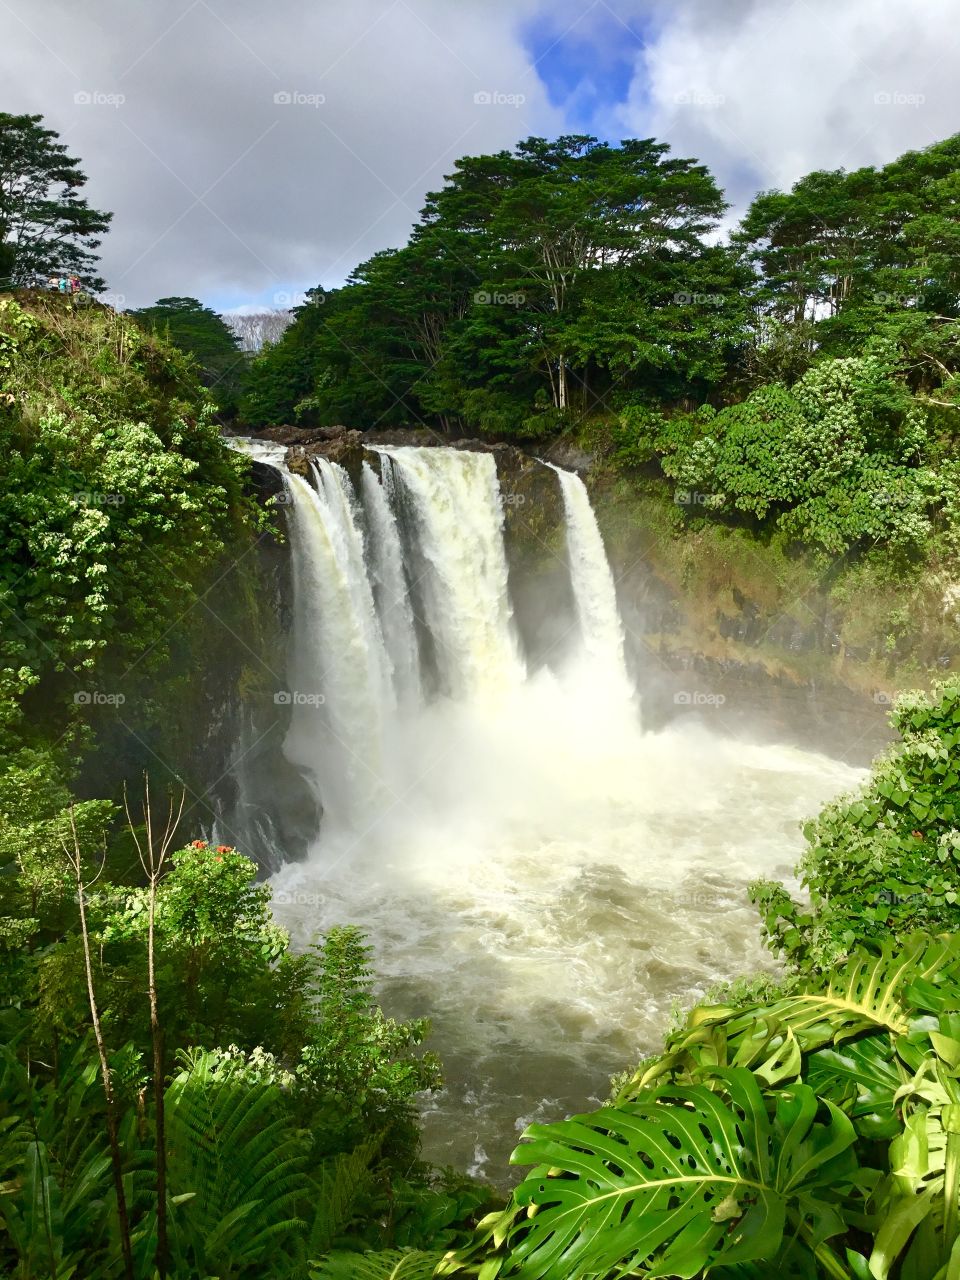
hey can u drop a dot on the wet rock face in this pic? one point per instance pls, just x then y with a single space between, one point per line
291 435
532 504
336 444
265 481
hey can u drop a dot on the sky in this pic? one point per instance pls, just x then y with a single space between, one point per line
251 149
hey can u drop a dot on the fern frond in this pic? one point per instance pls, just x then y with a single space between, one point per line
390 1264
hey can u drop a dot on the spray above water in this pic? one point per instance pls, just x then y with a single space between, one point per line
536 873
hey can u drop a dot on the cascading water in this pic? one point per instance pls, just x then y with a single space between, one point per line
390 584
594 590
536 873
456 497
341 693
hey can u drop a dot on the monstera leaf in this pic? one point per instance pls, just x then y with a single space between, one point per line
893 993
686 1178
872 993
863 1077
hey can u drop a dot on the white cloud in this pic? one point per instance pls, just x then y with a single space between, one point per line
252 149
764 93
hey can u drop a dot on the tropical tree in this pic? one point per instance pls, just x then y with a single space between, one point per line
46 225
845 256
200 332
534 280
552 217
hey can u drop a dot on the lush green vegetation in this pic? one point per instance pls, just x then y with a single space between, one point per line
200 332
537 285
120 955
182 1094
886 862
118 502
800 380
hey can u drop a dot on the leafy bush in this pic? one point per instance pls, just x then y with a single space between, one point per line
118 499
842 458
291 1132
884 862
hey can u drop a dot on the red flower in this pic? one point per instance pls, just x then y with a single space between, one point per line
224 848
198 844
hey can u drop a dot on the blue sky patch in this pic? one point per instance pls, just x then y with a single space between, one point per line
586 65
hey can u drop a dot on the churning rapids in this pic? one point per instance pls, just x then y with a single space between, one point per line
537 873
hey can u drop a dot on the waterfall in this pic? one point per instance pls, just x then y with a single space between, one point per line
537 873
341 693
594 591
459 517
390 584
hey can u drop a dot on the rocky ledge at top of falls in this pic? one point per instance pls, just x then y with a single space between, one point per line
532 503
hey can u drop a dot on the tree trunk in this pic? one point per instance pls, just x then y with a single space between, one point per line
156 1035
116 1159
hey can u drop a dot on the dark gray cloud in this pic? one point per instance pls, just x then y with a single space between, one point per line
251 149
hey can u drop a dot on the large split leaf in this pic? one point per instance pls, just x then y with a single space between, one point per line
863 1076
870 994
686 1178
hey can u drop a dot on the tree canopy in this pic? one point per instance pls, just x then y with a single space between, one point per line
537 283
568 279
200 332
46 225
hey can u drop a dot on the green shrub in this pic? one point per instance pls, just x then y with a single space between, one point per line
886 861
